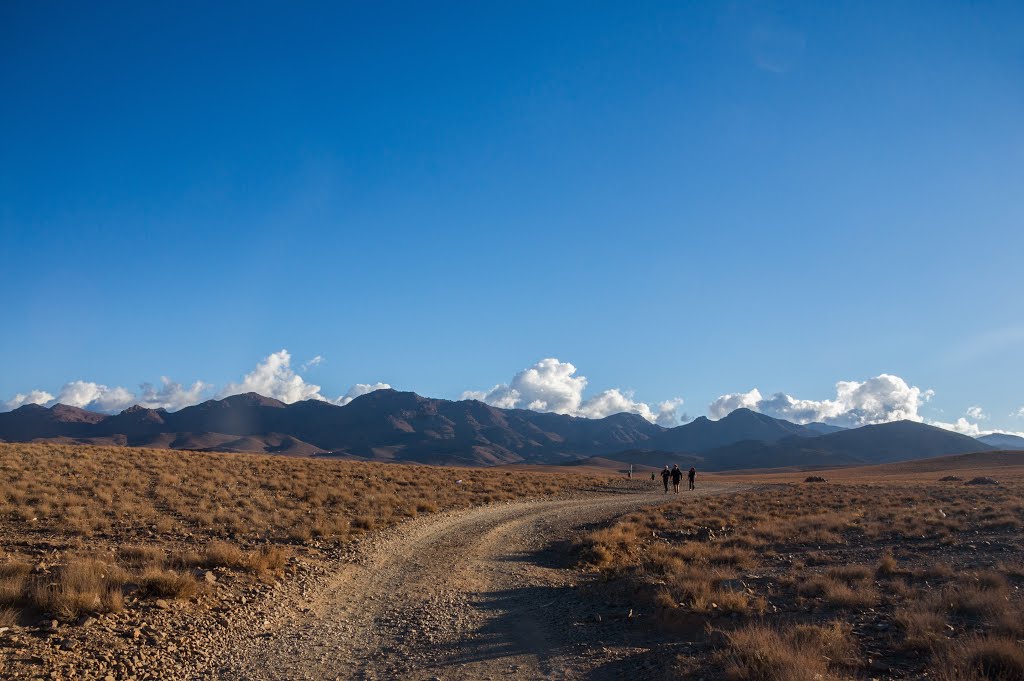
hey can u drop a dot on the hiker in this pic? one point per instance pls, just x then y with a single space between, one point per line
677 477
665 475
692 475
652 476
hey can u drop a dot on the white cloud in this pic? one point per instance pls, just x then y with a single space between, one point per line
961 425
170 395
360 389
273 377
728 403
965 427
31 397
976 413
316 361
1019 413
880 399
95 396
553 386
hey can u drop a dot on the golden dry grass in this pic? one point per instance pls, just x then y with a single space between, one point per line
927 571
800 653
140 522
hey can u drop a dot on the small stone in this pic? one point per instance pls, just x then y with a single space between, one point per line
86 621
162 604
206 576
68 644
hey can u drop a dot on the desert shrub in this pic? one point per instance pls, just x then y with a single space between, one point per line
139 557
983 658
13 577
839 593
223 554
267 559
762 653
923 625
162 583
80 585
8 617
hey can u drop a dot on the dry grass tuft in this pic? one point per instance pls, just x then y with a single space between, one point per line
79 586
803 653
983 659
8 617
161 583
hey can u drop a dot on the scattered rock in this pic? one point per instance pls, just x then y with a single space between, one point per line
86 621
951 478
162 604
815 478
704 534
206 576
982 480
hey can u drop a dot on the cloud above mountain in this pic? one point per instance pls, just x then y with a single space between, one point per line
549 385
880 399
553 385
272 377
31 397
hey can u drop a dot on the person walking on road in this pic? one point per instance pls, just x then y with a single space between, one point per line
692 475
665 475
677 477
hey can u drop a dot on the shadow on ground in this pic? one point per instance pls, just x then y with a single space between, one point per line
584 626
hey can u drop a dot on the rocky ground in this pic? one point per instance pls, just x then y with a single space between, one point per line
471 594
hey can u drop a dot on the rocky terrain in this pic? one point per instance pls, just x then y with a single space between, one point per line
472 594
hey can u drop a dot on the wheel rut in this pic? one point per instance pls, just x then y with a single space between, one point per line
475 594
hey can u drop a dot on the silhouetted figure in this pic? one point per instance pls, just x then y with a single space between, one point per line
677 477
692 475
665 475
652 476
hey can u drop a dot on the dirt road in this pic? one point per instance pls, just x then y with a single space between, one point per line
476 594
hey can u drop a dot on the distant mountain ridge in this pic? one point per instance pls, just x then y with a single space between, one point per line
388 425
1003 440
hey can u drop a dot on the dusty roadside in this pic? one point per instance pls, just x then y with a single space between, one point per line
473 594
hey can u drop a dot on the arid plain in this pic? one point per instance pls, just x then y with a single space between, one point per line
134 563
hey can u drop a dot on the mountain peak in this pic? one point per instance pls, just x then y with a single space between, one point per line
250 399
30 408
138 408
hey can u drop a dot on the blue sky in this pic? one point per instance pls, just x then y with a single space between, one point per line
681 199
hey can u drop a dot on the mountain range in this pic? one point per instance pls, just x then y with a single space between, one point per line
388 425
